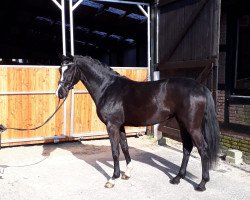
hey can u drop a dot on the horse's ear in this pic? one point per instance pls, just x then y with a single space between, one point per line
61 56
69 56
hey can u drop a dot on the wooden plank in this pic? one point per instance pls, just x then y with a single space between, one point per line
204 75
216 28
139 74
194 42
165 2
170 132
28 79
85 117
27 111
189 22
187 64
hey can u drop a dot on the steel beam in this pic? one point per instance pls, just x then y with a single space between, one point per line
124 2
62 8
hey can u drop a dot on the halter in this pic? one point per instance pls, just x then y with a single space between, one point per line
69 84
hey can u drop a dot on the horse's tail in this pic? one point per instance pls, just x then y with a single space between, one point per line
210 129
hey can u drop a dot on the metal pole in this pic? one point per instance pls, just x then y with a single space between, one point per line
57 4
149 49
143 11
157 35
62 8
77 4
72 112
147 14
72 51
63 27
124 2
71 10
64 53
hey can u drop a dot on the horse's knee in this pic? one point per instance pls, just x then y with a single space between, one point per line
203 151
115 154
124 147
186 152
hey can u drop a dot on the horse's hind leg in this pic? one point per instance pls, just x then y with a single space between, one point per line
187 148
125 150
114 136
201 145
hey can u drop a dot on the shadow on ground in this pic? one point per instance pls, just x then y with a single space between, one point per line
84 152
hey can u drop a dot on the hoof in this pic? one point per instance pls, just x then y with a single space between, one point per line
175 181
125 177
200 188
109 185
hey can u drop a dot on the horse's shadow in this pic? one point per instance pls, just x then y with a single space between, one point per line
84 151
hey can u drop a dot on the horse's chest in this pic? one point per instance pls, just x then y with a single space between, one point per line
110 111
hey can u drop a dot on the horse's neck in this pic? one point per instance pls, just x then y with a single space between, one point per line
96 82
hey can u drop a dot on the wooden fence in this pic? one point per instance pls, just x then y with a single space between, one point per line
27 98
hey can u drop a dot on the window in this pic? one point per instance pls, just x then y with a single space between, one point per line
238 53
242 71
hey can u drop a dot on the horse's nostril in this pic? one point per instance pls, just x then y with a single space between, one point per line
60 95
62 92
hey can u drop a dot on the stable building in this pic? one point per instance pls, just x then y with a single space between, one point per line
207 40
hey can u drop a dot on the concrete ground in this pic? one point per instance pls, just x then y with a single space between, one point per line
79 170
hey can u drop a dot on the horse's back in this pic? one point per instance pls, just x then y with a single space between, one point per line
141 93
186 85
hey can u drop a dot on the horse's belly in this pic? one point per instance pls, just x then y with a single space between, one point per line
147 108
146 118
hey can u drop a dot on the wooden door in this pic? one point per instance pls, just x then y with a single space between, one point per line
188 44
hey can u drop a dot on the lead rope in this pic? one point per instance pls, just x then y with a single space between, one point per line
4 128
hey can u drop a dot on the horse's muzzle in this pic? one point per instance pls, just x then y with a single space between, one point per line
62 92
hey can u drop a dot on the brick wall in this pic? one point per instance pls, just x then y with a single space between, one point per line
239 114
220 105
231 140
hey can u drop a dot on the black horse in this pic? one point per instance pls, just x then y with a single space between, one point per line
122 102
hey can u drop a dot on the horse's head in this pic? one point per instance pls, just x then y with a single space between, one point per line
69 77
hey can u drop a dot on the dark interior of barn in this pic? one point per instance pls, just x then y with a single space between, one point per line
31 32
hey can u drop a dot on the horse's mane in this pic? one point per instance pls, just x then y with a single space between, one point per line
97 62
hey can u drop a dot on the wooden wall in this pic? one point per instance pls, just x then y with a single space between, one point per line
27 98
188 45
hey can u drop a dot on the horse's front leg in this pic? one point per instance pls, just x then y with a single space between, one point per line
114 136
125 150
